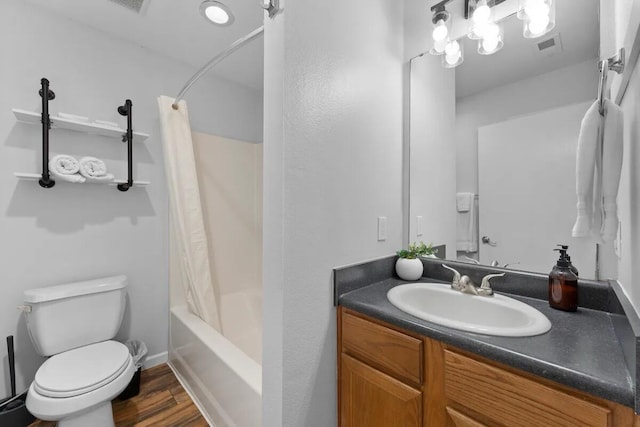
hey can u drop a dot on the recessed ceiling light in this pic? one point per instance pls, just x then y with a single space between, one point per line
216 12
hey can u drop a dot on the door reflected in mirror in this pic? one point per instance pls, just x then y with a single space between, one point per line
493 143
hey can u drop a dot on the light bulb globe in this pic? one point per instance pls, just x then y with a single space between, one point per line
481 14
538 27
440 32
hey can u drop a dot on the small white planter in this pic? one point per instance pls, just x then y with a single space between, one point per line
409 269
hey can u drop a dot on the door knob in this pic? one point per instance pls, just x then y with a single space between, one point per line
487 241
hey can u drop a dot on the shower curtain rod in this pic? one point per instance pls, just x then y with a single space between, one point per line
215 60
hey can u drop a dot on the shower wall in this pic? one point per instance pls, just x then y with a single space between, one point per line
230 180
222 372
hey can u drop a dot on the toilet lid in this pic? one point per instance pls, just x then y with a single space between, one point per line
81 370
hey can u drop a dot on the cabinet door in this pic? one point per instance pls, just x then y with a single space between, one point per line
515 401
370 398
458 419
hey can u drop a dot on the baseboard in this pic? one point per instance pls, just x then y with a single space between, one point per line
156 359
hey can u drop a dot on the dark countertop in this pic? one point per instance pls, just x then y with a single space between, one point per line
581 350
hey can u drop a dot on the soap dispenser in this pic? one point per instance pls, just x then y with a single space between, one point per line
571 266
563 284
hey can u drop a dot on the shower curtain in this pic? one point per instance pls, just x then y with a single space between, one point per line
186 212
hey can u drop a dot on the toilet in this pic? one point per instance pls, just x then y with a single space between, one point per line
75 324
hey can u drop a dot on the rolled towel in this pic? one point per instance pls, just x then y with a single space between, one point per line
65 168
94 169
64 164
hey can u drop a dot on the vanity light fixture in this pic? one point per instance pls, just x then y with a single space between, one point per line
482 27
442 28
492 39
480 20
453 54
539 17
216 12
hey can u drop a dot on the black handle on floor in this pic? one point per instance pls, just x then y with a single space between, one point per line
12 364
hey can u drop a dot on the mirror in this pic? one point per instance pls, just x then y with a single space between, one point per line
493 141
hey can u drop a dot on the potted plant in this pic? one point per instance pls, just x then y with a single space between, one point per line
408 265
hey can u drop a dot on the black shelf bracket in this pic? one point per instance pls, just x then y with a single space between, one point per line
47 95
127 110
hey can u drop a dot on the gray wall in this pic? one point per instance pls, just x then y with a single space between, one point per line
333 164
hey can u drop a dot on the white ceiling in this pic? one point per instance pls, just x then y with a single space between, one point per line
176 29
577 25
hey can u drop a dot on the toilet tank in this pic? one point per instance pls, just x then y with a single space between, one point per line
63 317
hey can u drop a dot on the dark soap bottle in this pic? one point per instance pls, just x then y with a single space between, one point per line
563 285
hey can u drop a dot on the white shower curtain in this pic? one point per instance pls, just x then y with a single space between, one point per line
186 212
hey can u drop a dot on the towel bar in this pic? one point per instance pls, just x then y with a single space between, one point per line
616 64
127 110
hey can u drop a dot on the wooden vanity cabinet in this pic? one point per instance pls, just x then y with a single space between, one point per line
380 375
388 377
377 399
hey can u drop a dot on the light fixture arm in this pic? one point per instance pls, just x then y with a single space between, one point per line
440 16
439 12
439 7
271 6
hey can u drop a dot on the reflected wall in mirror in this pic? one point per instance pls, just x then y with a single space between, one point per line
493 142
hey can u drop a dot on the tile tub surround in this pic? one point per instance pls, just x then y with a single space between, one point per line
593 350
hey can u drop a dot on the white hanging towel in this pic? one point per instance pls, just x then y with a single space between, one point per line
66 168
598 169
466 223
464 201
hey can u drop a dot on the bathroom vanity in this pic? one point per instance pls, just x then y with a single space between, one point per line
397 370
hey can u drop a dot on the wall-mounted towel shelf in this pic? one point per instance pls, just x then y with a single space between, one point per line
26 176
128 136
78 126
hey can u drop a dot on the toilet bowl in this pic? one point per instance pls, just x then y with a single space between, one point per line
74 324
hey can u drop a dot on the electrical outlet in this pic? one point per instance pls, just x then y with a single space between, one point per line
419 225
382 228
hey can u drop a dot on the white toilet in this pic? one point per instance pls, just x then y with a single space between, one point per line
75 324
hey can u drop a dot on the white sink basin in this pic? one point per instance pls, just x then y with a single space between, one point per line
497 315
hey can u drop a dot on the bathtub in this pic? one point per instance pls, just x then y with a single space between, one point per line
224 382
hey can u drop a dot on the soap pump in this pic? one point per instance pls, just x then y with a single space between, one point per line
564 252
563 284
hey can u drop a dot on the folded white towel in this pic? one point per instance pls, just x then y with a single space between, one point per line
464 201
467 229
94 169
65 168
598 169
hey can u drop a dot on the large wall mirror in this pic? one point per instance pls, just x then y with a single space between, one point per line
493 141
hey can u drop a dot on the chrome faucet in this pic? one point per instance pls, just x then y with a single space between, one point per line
466 286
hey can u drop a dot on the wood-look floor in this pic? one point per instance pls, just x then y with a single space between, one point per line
162 402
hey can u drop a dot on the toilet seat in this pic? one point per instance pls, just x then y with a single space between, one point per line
81 370
66 408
